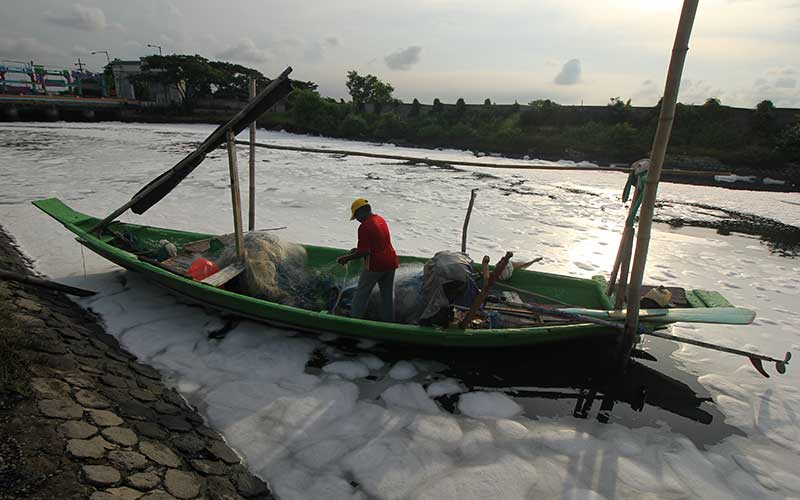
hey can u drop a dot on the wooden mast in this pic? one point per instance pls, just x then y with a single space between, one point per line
251 218
236 199
668 104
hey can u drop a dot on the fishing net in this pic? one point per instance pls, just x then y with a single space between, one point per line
276 271
424 294
408 302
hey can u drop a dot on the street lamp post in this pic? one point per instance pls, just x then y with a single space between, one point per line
155 47
102 52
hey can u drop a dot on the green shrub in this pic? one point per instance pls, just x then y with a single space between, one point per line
431 134
390 126
353 127
788 143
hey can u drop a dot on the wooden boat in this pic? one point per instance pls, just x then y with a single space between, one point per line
587 296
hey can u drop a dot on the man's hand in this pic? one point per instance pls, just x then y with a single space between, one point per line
343 259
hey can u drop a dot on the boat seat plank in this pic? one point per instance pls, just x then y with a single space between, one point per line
224 275
198 246
179 264
162 265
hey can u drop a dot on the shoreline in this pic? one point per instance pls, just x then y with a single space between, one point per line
91 421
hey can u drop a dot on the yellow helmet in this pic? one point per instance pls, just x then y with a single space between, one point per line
360 202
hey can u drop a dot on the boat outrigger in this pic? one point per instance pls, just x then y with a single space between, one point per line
539 308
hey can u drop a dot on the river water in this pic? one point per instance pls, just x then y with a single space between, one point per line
333 418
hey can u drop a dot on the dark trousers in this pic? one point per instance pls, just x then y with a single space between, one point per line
366 282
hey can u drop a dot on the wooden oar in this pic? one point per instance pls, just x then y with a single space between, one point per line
42 283
754 357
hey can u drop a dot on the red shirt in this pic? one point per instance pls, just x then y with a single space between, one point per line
374 239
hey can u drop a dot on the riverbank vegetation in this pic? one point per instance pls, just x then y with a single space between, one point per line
709 136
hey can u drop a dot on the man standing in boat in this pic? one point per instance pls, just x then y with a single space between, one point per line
374 244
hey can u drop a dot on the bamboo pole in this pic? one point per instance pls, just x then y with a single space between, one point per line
251 218
668 103
627 234
612 280
619 276
466 221
42 283
625 265
440 161
236 199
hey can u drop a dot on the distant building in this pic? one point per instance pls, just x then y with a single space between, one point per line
121 72
161 94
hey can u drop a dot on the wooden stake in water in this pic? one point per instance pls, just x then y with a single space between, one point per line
251 219
466 221
236 199
668 103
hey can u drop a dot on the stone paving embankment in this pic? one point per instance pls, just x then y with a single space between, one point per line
98 424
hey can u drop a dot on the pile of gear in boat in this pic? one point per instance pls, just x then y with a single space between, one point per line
436 293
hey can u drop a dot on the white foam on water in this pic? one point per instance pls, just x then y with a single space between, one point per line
488 405
372 362
319 435
444 387
347 369
403 370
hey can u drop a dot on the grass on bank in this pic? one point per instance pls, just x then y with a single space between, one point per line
15 374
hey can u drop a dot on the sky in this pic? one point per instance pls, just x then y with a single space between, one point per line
569 51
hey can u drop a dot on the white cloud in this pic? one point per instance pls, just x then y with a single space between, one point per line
697 91
27 48
313 52
245 51
778 85
647 93
403 59
79 17
79 50
332 41
570 73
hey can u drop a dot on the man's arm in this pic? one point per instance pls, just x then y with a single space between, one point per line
353 255
361 250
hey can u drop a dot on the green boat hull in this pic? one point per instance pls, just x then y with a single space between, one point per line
583 293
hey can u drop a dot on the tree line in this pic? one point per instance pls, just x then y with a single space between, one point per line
543 128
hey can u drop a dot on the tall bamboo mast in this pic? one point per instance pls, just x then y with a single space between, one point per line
251 217
668 104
